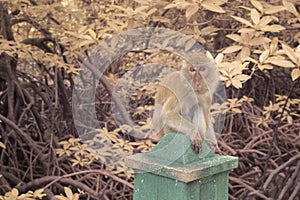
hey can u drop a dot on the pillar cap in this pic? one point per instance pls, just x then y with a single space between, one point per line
174 158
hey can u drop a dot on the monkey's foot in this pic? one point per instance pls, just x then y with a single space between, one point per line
214 147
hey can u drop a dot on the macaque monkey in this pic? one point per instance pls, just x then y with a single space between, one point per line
183 102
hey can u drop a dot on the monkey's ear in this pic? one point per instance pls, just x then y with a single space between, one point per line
210 56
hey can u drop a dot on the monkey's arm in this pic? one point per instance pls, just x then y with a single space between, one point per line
211 139
209 134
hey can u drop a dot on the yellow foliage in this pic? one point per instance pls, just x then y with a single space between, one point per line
232 72
30 195
78 153
284 109
69 195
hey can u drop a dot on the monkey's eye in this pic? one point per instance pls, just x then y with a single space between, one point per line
202 69
192 69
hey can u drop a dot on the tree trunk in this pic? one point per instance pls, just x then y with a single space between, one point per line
8 66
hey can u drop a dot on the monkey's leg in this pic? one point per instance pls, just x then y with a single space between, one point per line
158 121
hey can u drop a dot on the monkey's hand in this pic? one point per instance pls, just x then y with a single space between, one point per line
196 142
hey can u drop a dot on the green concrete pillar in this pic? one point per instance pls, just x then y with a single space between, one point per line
173 171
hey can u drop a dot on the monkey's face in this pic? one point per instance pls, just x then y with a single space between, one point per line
198 76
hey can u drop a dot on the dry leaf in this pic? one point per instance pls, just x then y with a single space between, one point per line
191 10
232 49
255 16
212 7
295 74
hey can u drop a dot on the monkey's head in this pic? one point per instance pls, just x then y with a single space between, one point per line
202 74
197 74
